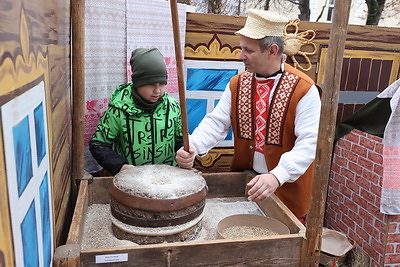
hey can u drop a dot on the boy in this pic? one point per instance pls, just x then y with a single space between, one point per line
142 124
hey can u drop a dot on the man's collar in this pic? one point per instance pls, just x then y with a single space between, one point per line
269 76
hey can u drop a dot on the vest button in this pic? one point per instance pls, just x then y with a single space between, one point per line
251 147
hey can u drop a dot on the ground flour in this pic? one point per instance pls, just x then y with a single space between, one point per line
98 233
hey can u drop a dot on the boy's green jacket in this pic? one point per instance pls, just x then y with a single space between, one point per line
129 135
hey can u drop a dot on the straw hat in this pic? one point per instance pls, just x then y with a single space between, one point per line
262 23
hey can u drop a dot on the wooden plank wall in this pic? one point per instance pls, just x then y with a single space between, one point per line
371 60
366 41
46 40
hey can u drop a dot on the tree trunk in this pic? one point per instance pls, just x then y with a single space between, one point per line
187 2
322 11
266 5
304 7
375 8
214 6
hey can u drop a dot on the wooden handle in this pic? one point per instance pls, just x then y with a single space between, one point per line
179 67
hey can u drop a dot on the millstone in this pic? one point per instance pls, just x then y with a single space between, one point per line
157 203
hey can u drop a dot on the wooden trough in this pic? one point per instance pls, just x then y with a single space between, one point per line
280 250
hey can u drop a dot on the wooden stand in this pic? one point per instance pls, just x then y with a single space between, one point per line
282 250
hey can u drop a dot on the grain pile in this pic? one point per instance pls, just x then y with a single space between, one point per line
218 208
98 233
97 229
242 231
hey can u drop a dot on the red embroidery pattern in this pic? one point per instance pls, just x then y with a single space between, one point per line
93 112
263 90
244 103
279 108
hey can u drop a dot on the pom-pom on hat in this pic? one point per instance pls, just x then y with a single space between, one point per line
148 67
262 23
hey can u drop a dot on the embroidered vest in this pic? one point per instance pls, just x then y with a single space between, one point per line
280 136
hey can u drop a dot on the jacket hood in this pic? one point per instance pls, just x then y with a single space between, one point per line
122 99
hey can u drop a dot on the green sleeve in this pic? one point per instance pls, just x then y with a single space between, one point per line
109 126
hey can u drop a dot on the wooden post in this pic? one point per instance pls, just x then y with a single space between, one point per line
78 87
67 255
179 67
330 96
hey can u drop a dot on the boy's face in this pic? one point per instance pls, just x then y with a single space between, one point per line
151 92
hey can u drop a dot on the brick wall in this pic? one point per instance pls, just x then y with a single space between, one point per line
392 258
353 199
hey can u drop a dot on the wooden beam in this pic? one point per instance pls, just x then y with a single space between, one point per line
78 87
330 97
179 68
67 255
75 234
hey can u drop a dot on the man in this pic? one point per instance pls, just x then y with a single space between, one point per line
274 110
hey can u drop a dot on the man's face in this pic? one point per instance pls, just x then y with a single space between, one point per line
251 55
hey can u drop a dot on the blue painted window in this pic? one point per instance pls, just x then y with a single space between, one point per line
208 79
40 133
205 86
196 110
23 154
29 238
45 215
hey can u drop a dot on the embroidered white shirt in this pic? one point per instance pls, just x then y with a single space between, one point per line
292 164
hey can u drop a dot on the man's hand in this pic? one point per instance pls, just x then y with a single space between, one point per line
262 186
126 166
185 159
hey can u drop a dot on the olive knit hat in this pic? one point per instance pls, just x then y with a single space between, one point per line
148 67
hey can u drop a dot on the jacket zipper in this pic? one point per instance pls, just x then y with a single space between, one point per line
153 146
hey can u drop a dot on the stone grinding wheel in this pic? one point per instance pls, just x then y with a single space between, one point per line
154 198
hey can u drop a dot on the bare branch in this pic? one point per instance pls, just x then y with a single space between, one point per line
375 8
293 2
322 11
